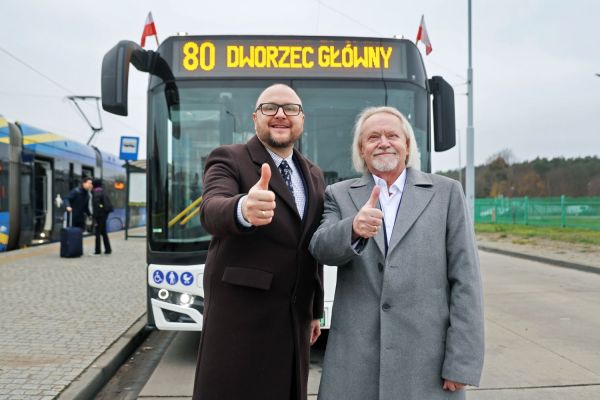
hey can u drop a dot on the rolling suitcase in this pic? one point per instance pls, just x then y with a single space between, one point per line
71 240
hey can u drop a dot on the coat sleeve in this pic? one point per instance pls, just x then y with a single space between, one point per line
331 243
221 194
69 198
463 361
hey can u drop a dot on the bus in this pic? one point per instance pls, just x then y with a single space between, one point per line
201 94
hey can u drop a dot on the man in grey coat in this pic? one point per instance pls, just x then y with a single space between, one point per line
407 320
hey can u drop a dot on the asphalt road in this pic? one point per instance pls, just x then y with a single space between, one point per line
542 341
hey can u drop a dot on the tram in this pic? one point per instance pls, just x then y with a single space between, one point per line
201 94
37 170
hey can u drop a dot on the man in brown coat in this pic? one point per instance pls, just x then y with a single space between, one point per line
263 293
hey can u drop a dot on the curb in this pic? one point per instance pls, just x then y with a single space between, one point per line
551 261
103 368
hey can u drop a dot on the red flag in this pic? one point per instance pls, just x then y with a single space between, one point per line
423 36
149 30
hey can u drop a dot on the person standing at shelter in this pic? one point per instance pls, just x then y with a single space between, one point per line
101 206
407 320
77 203
263 292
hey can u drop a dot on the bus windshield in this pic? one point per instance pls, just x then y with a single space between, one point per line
215 112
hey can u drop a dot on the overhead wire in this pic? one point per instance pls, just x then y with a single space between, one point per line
57 84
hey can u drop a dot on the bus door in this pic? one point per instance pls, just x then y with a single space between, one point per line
42 206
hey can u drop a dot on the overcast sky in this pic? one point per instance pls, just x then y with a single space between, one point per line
535 88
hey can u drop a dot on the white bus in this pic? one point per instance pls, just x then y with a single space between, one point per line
201 94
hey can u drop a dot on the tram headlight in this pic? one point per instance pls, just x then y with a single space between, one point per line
163 294
185 299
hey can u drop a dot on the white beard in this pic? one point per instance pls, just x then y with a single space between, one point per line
385 165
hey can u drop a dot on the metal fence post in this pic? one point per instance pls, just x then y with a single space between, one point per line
526 212
563 212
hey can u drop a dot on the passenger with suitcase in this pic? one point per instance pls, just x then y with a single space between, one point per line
78 203
101 207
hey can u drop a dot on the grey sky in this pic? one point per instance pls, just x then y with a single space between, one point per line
534 61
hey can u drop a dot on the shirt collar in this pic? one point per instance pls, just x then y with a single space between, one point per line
278 159
397 186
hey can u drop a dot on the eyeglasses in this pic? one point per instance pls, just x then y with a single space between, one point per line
271 109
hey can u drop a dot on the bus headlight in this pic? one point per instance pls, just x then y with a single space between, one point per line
163 294
185 299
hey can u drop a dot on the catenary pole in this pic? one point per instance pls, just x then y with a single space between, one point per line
470 169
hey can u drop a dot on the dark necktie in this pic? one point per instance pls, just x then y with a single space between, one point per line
286 172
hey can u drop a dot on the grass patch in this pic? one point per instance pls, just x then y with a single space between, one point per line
526 232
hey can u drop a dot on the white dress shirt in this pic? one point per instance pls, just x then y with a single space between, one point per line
389 199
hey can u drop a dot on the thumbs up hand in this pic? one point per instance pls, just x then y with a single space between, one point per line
259 205
368 220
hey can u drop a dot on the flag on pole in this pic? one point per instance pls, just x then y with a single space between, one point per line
423 36
149 30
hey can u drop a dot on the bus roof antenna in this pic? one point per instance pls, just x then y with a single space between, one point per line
95 129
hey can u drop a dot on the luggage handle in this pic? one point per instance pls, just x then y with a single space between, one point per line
68 222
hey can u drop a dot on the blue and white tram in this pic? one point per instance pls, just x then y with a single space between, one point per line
37 169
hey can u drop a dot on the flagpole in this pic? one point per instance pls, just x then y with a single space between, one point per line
470 169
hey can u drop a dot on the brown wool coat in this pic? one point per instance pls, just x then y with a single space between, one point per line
262 286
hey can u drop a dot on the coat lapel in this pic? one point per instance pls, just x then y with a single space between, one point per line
260 155
360 191
310 210
416 196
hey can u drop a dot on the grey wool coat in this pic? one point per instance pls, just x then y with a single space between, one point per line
402 323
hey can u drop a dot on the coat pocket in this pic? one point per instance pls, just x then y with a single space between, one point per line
250 277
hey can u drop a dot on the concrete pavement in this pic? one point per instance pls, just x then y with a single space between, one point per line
67 323
60 315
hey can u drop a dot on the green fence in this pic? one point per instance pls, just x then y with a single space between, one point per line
580 212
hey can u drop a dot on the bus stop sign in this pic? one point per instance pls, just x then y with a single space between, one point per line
129 148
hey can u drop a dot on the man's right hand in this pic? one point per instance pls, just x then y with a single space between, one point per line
69 209
369 218
258 207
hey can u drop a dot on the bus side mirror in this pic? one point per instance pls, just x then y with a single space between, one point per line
115 76
444 127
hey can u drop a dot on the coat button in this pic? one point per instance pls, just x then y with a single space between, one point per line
380 267
386 307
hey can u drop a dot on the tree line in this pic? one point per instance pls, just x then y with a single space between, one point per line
542 177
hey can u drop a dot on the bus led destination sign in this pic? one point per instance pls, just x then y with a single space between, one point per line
203 55
219 57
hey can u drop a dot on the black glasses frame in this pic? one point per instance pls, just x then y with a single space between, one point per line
300 110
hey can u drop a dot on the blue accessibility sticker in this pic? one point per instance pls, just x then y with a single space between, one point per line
187 278
158 276
172 278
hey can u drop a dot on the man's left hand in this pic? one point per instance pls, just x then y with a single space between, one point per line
452 386
315 330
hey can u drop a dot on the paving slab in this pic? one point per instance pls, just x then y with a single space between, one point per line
59 315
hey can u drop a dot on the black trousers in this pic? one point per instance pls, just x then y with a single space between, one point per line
101 230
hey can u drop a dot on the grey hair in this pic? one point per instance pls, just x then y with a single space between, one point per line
413 156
